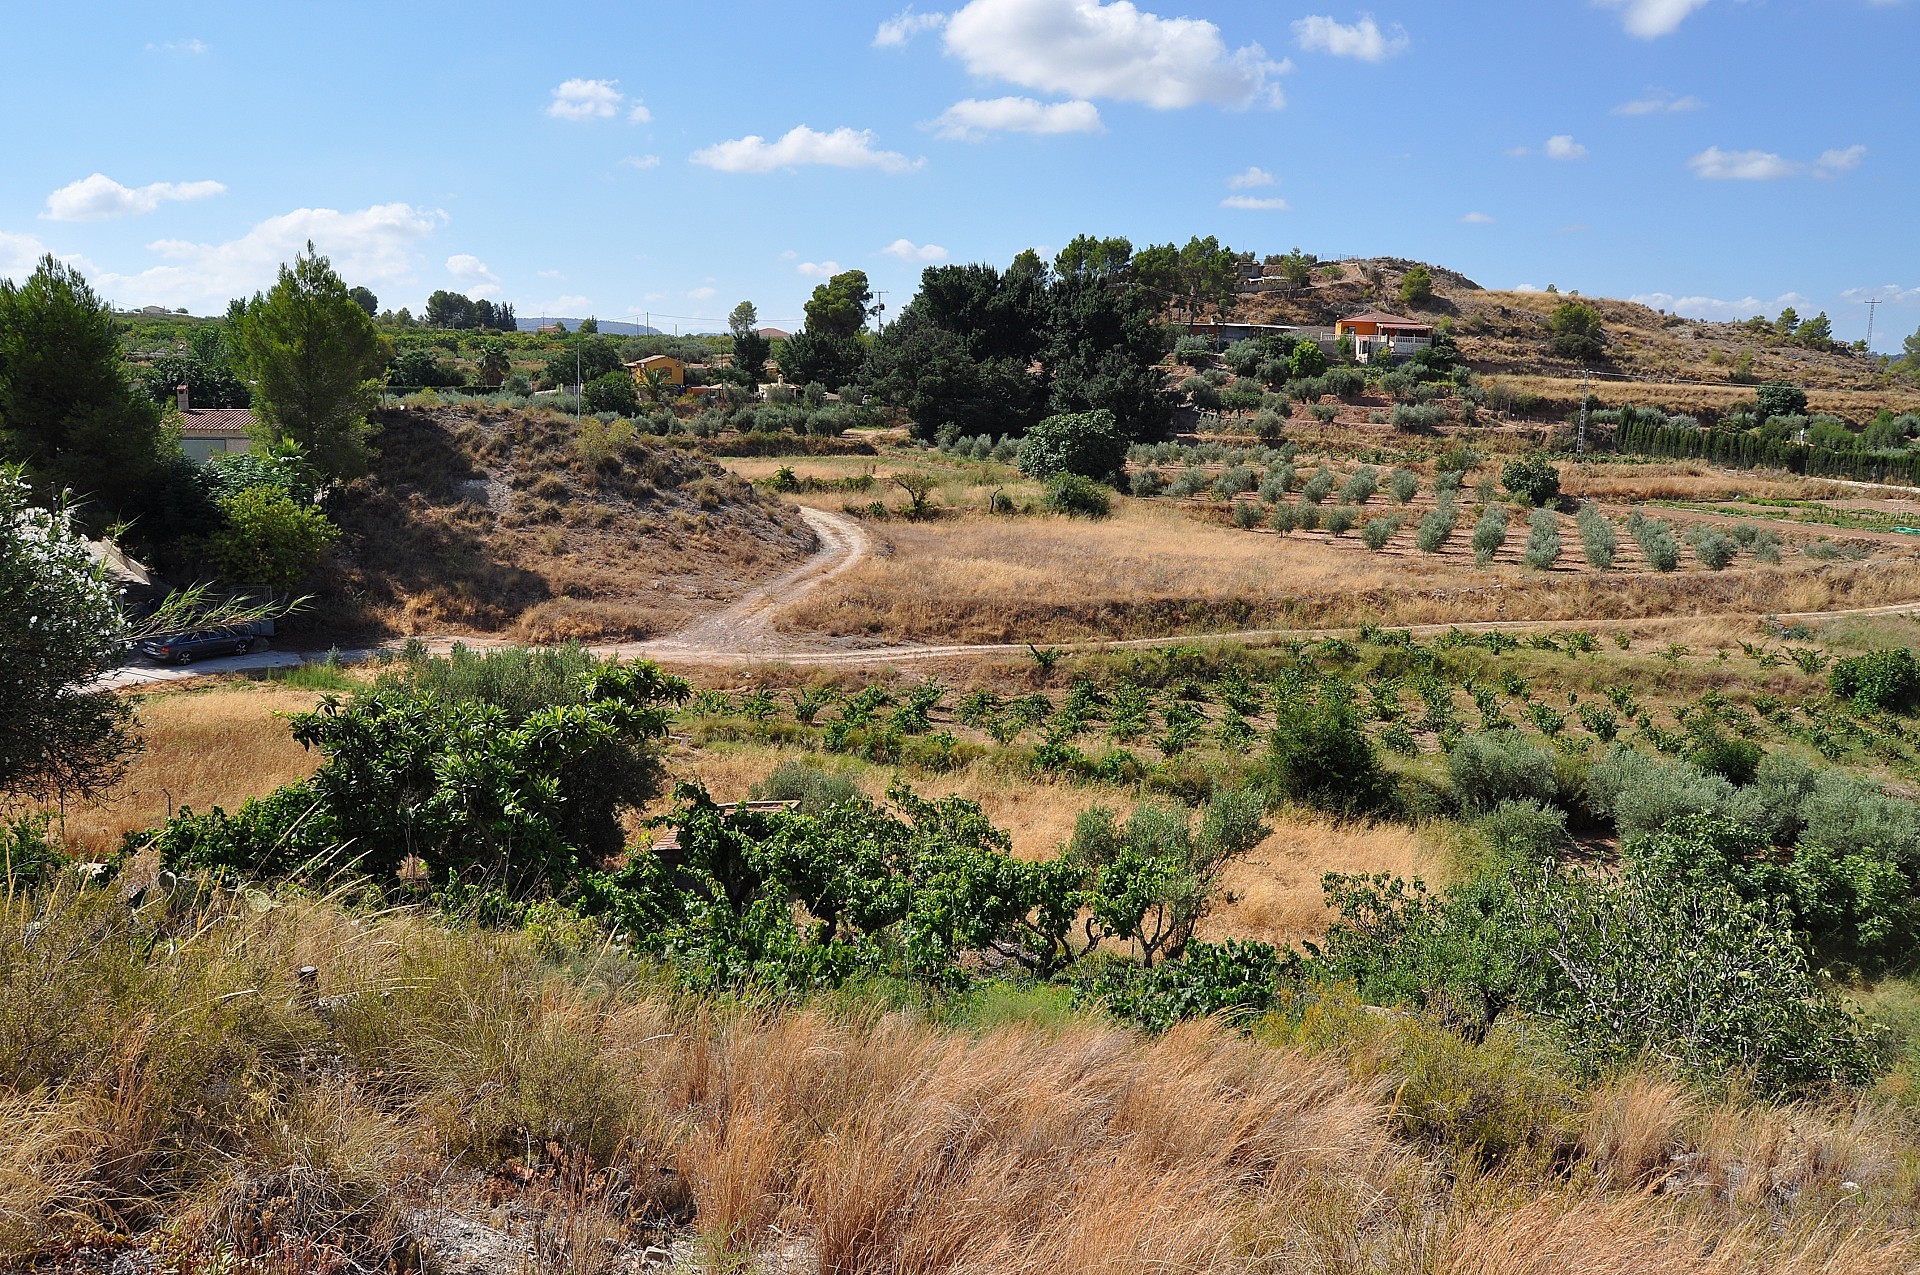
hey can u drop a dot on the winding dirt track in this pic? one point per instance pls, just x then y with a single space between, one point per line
742 634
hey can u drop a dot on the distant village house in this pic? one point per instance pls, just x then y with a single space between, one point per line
1377 332
676 370
209 431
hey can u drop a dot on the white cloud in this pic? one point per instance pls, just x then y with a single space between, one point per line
19 254
593 100
1114 50
1834 162
1251 179
563 307
1890 293
1715 164
972 119
704 292
641 162
1562 146
896 31
99 197
472 273
1658 102
193 48
1477 219
907 250
1363 40
1252 203
1519 152
549 274
373 246
818 269
842 148
1651 19
1523 287
1715 308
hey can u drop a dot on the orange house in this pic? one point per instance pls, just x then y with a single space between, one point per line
1377 332
676 370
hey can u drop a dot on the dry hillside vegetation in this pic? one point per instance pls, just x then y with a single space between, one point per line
1506 332
522 524
453 1097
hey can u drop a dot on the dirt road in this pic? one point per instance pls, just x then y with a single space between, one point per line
743 632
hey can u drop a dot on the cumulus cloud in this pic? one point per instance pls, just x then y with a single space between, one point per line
1834 162
570 306
1089 49
472 273
1658 102
642 162
908 251
19 254
1716 308
1477 219
842 148
1254 203
585 100
972 119
1890 293
1253 178
818 269
1562 146
1651 19
896 31
99 197
1363 39
704 292
373 246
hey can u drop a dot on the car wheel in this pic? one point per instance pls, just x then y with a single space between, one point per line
241 648
185 657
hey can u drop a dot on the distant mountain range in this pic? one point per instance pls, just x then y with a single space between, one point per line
610 327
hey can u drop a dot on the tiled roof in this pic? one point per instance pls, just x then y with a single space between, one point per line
215 422
1381 316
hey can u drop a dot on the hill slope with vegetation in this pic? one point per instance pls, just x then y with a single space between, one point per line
494 520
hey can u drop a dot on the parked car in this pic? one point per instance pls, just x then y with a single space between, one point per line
196 644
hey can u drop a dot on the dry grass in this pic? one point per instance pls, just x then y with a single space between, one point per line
185 1085
204 747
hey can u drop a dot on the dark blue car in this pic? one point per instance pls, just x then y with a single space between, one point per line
197 644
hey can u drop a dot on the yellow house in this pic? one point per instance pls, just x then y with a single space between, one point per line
676 370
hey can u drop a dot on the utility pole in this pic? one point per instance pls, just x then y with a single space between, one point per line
880 311
576 378
1872 304
1580 445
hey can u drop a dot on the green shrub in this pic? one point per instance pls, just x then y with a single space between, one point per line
1339 519
1359 488
1285 517
1418 418
1090 444
1436 527
1597 536
1235 480
1145 483
815 790
1320 757
1524 835
1714 548
1641 794
1532 479
1496 766
1886 680
1201 392
1318 487
269 538
1246 514
1325 413
1656 540
1375 532
1404 484
1077 497
1543 540
1488 535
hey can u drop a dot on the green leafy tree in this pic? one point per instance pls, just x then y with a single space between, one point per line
838 307
205 367
1090 444
828 358
1779 398
590 357
1533 479
1320 756
60 629
270 538
313 358
611 392
1816 333
750 349
494 363
1910 348
69 412
1577 333
364 298
1091 257
1416 286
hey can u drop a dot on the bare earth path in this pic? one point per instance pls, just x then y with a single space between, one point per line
743 633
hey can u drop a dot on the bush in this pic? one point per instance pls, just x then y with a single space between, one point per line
1488 535
1543 540
1405 485
1656 541
1641 794
1145 483
1318 487
1306 362
1524 835
1202 392
611 392
1270 426
1346 383
1319 756
1246 514
1416 286
1359 488
1243 357
1576 332
1377 531
1235 481
1887 680
270 538
1597 536
1494 766
1078 497
1285 518
1089 444
1339 520
815 790
1714 548
1325 413
1418 418
1532 479
1436 527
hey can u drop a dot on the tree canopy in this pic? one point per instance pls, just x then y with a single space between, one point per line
750 349
313 358
839 306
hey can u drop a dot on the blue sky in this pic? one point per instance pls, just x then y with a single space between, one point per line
1719 157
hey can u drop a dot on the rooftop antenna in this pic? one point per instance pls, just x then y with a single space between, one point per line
1872 304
